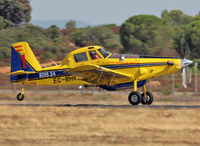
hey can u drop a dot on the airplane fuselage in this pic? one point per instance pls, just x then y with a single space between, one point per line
138 68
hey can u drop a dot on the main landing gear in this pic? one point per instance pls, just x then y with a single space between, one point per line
135 97
20 96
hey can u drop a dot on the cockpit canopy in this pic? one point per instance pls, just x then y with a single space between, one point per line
90 53
104 52
93 53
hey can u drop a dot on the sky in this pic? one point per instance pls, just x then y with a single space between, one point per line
107 11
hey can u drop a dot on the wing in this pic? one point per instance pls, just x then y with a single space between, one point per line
99 75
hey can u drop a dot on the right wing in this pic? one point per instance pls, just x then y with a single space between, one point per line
99 75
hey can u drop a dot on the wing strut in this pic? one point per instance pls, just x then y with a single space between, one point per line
111 80
100 77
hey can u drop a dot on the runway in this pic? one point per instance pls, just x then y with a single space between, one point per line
108 106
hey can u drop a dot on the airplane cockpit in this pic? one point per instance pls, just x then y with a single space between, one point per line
91 53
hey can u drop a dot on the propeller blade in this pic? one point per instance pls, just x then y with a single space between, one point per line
184 78
189 74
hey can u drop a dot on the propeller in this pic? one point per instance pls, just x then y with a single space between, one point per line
185 52
184 78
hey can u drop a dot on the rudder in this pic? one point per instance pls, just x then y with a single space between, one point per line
23 61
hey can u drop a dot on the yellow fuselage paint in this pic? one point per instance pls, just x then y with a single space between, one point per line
138 68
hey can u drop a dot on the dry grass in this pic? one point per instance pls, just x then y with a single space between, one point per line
48 125
92 126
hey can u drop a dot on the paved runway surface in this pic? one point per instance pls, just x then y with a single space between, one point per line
111 106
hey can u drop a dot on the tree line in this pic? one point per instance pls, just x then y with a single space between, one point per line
145 34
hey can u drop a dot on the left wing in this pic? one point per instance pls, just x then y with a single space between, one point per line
99 75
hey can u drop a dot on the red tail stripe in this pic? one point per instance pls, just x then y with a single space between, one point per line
23 61
19 50
18 46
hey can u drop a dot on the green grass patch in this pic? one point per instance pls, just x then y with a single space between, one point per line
166 92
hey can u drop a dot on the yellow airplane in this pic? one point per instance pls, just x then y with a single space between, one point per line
93 65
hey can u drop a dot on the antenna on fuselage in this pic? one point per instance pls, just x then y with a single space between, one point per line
142 54
53 61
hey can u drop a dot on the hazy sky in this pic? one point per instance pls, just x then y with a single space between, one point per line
106 11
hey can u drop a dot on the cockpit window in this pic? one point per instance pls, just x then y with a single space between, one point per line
80 57
104 52
94 55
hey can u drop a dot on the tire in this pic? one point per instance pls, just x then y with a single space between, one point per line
149 98
20 97
135 98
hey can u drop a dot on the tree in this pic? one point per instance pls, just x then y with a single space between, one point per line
99 35
71 25
144 33
2 23
176 17
15 12
54 33
197 17
41 43
188 37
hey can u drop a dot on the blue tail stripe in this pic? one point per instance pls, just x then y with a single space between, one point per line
16 65
16 62
28 68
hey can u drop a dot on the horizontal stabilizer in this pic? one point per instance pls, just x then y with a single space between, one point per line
20 72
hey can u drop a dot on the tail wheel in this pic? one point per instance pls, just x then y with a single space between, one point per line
20 97
135 98
149 99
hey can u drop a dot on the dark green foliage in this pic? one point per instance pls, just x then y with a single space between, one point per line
99 35
2 23
50 52
71 25
54 33
188 37
197 17
145 33
37 38
15 12
176 17
198 62
49 55
4 52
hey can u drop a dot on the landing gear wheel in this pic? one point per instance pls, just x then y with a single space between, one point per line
20 97
149 99
134 98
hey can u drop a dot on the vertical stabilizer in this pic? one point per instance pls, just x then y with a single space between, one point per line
23 59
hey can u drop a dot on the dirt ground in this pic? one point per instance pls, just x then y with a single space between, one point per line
76 126
93 126
76 97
